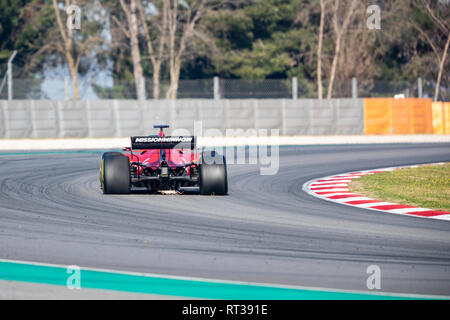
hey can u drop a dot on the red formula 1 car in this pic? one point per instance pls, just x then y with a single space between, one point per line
162 162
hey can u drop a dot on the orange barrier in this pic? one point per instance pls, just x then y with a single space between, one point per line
441 117
397 116
437 109
377 116
401 116
446 116
421 116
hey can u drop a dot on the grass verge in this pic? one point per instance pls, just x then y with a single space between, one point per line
425 187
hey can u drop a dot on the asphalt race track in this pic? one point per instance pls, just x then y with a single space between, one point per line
266 230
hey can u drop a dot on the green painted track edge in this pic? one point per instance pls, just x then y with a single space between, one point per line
177 287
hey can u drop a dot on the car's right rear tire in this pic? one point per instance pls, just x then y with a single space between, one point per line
213 178
115 173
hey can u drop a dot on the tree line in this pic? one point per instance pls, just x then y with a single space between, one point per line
324 43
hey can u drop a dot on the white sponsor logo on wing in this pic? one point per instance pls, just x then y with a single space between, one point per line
163 139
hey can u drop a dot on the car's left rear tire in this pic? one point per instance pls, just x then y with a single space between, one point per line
115 174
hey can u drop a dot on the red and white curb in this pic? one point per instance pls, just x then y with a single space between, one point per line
335 189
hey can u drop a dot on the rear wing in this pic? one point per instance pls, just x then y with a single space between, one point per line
157 142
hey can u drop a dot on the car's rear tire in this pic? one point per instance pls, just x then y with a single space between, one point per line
115 173
213 174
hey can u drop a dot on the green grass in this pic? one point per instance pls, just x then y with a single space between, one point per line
426 187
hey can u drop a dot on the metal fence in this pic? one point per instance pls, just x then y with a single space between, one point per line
98 89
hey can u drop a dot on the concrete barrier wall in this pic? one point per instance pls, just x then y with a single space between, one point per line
297 117
123 118
44 119
350 116
73 119
18 119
